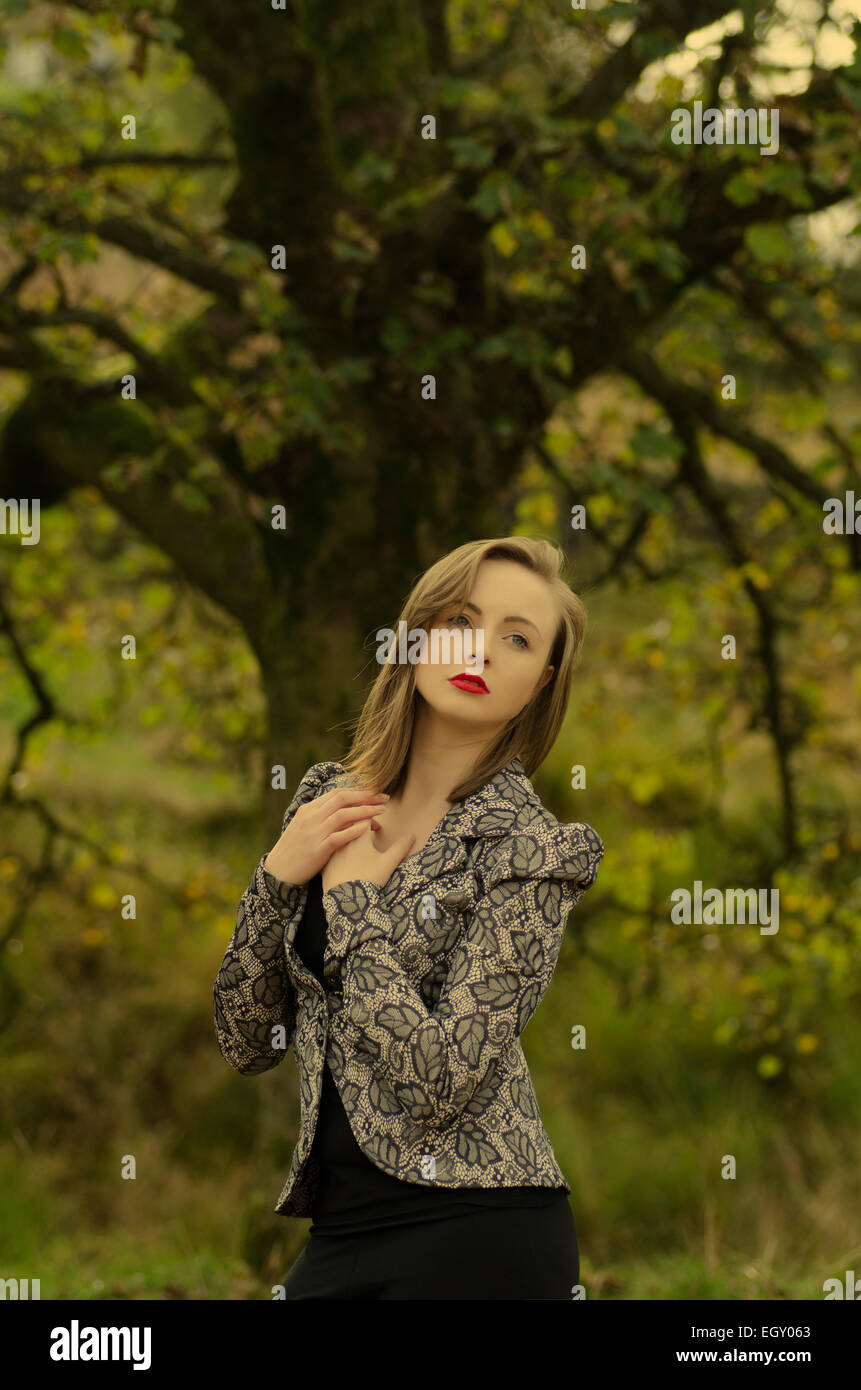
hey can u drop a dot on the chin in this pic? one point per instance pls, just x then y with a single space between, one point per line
477 709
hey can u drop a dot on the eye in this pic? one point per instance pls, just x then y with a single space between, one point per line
458 615
521 638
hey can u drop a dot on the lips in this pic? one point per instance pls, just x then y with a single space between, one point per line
473 684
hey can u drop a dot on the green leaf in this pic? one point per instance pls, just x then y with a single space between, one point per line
486 201
351 370
801 412
372 168
394 336
469 153
849 91
168 33
655 43
493 347
349 251
503 239
742 189
769 243
71 44
769 1066
654 444
653 499
414 199
497 193
642 296
78 248
669 259
454 91
785 179
563 361
618 10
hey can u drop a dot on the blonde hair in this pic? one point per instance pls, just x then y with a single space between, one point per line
381 743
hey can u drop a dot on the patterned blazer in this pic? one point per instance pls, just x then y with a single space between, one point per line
428 983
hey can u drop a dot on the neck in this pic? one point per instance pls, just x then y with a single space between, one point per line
440 757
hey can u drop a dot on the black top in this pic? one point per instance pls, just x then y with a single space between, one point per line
353 1193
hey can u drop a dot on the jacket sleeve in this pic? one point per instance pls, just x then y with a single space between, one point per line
434 1059
252 995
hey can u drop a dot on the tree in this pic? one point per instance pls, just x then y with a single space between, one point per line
353 259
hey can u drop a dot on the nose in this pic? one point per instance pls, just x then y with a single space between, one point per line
474 650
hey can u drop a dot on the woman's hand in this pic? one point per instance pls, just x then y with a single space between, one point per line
360 858
320 828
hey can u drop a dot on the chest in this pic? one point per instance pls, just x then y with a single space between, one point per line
429 901
394 823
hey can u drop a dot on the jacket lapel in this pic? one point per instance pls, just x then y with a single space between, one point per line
489 812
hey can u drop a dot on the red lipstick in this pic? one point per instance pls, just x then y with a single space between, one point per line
474 684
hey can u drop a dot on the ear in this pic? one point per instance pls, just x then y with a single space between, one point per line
545 678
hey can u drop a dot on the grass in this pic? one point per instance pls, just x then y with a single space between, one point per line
113 1051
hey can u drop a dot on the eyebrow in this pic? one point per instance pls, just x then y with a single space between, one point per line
528 621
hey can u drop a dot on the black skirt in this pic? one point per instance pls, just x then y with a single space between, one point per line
488 1253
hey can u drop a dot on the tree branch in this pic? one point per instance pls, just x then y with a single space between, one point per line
93 437
694 473
173 389
177 159
45 709
608 84
618 554
433 19
680 400
753 295
133 238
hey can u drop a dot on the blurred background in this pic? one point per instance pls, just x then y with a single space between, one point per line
229 262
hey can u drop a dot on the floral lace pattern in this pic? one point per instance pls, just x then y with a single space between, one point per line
429 983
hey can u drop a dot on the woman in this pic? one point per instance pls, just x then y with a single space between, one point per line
401 934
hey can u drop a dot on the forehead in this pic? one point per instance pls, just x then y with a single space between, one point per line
500 582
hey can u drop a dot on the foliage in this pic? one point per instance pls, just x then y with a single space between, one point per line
269 378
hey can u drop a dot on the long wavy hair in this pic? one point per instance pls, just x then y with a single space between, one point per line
381 742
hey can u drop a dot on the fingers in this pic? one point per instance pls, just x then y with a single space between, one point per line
343 805
349 796
343 837
348 815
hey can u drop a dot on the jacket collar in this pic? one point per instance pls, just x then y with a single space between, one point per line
491 811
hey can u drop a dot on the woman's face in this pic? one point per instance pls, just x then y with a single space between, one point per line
518 615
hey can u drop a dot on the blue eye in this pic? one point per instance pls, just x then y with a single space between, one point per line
523 640
459 615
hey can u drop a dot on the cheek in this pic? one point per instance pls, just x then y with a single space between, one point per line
519 687
420 678
429 678
442 662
